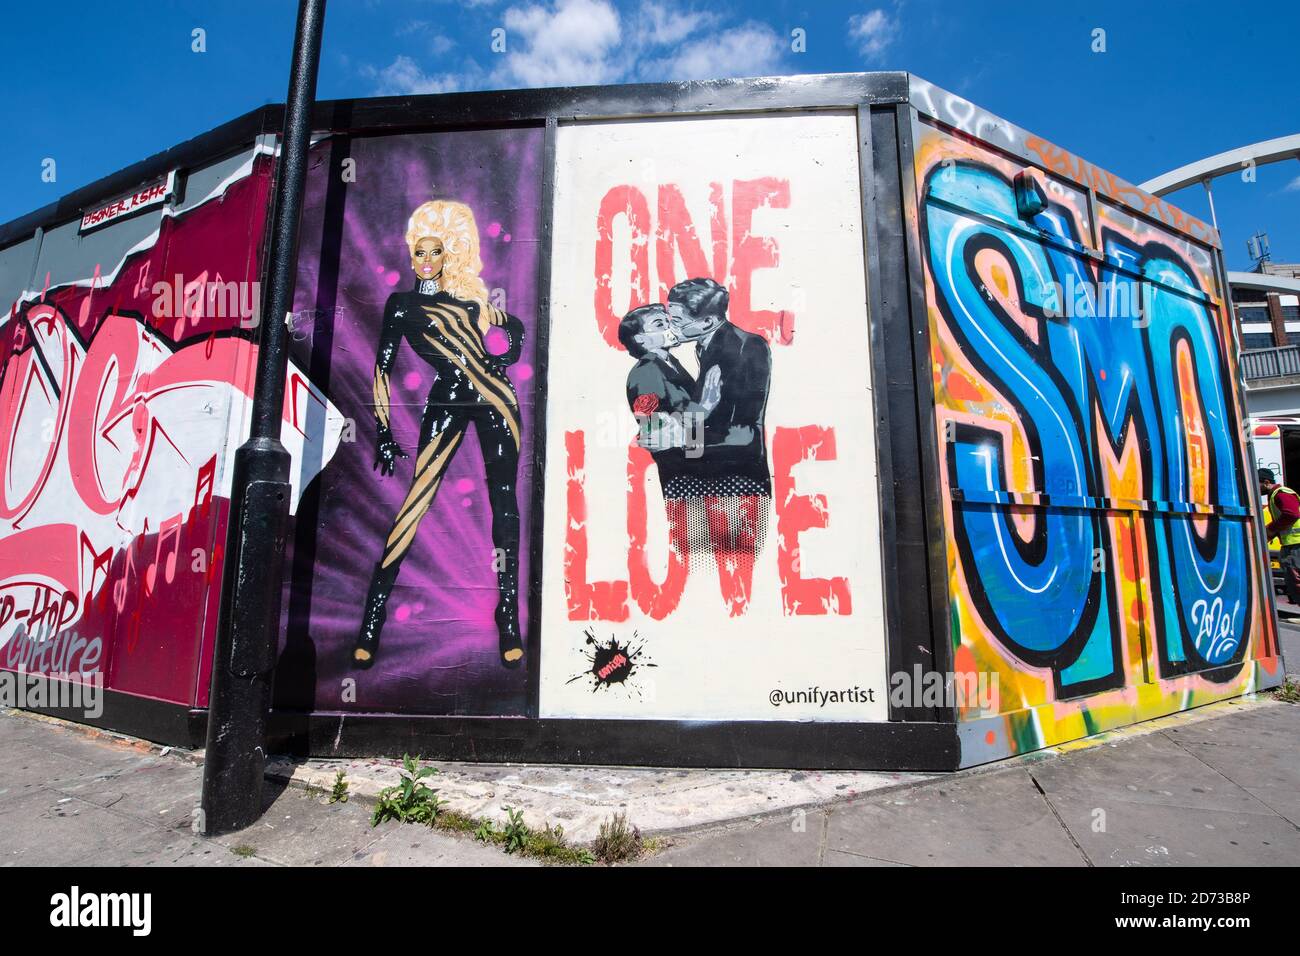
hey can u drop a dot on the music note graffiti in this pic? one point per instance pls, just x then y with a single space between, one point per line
203 488
122 586
170 528
99 563
142 280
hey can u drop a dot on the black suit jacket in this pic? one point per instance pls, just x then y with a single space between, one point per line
734 441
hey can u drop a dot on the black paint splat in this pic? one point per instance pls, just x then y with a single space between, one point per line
613 663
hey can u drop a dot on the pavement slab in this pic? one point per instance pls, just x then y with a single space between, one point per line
48 829
153 789
298 828
401 845
989 819
775 842
841 858
1151 770
27 767
1152 834
191 850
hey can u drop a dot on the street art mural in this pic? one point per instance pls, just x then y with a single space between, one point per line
1103 561
127 376
416 308
712 547
634 475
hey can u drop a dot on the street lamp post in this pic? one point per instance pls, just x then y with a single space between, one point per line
249 621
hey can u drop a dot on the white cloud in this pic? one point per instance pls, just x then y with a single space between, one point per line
567 43
404 77
1293 186
752 49
437 43
658 24
873 32
581 42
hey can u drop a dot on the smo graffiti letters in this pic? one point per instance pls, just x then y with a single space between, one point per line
1091 453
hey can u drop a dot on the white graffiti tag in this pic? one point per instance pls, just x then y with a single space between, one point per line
1215 629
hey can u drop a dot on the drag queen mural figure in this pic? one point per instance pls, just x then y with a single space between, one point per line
445 318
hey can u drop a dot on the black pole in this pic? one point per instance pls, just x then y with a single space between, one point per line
248 625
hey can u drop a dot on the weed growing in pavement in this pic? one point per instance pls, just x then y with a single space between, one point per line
411 801
339 792
1289 691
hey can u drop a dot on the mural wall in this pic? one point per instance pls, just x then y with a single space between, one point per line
126 381
711 545
703 466
1103 562
416 308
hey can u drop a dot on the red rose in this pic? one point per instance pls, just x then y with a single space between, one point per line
646 404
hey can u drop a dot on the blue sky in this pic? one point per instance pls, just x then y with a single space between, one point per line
97 87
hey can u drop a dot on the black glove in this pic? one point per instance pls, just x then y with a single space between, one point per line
387 450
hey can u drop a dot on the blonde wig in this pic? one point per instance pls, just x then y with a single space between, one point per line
453 223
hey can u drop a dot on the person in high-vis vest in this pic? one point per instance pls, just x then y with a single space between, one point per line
1284 513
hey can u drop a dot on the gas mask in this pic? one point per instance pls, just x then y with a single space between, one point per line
662 339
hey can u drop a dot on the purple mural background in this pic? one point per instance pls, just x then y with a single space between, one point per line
439 652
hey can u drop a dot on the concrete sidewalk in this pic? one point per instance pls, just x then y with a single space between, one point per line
1220 784
72 798
1217 792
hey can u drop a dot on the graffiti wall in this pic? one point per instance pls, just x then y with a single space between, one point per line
712 547
622 463
127 376
1102 558
416 310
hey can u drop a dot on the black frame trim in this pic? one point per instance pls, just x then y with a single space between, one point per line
767 744
161 721
542 353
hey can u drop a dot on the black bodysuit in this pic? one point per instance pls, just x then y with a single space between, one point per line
471 386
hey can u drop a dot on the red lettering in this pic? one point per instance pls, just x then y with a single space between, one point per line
630 202
22 383
618 661
676 231
750 252
733 549
100 396
595 600
656 600
676 237
797 513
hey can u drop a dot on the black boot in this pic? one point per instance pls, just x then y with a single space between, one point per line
372 621
510 643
